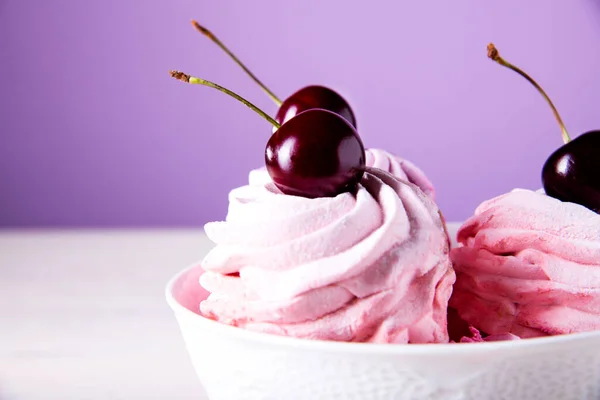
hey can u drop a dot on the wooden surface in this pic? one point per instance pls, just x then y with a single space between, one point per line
83 315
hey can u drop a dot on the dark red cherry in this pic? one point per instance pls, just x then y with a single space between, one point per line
315 154
458 328
572 173
311 97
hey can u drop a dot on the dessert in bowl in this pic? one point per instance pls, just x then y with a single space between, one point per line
236 363
243 362
331 278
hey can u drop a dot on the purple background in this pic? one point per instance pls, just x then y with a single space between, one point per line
93 132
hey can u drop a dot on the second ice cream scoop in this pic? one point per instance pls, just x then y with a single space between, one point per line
529 265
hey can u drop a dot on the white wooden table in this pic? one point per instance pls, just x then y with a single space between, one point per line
83 315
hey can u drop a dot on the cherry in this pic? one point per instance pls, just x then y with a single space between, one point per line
304 99
311 97
316 153
572 172
457 327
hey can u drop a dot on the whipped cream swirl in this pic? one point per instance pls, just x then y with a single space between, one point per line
529 265
372 266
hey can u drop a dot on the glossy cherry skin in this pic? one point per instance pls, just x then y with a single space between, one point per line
311 97
315 154
572 173
458 328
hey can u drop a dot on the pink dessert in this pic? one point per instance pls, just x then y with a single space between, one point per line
333 242
328 241
376 158
368 266
529 265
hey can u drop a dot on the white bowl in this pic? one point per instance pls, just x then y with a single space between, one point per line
236 364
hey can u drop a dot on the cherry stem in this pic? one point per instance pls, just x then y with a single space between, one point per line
212 37
199 81
495 56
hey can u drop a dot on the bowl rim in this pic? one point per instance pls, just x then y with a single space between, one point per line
316 345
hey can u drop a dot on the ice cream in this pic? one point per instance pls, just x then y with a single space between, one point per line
529 265
369 266
376 158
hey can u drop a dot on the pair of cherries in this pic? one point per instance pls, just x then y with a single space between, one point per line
315 150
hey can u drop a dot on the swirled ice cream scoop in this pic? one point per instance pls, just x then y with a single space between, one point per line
370 266
376 158
529 265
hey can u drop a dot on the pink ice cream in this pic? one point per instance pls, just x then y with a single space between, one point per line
372 266
529 266
376 158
